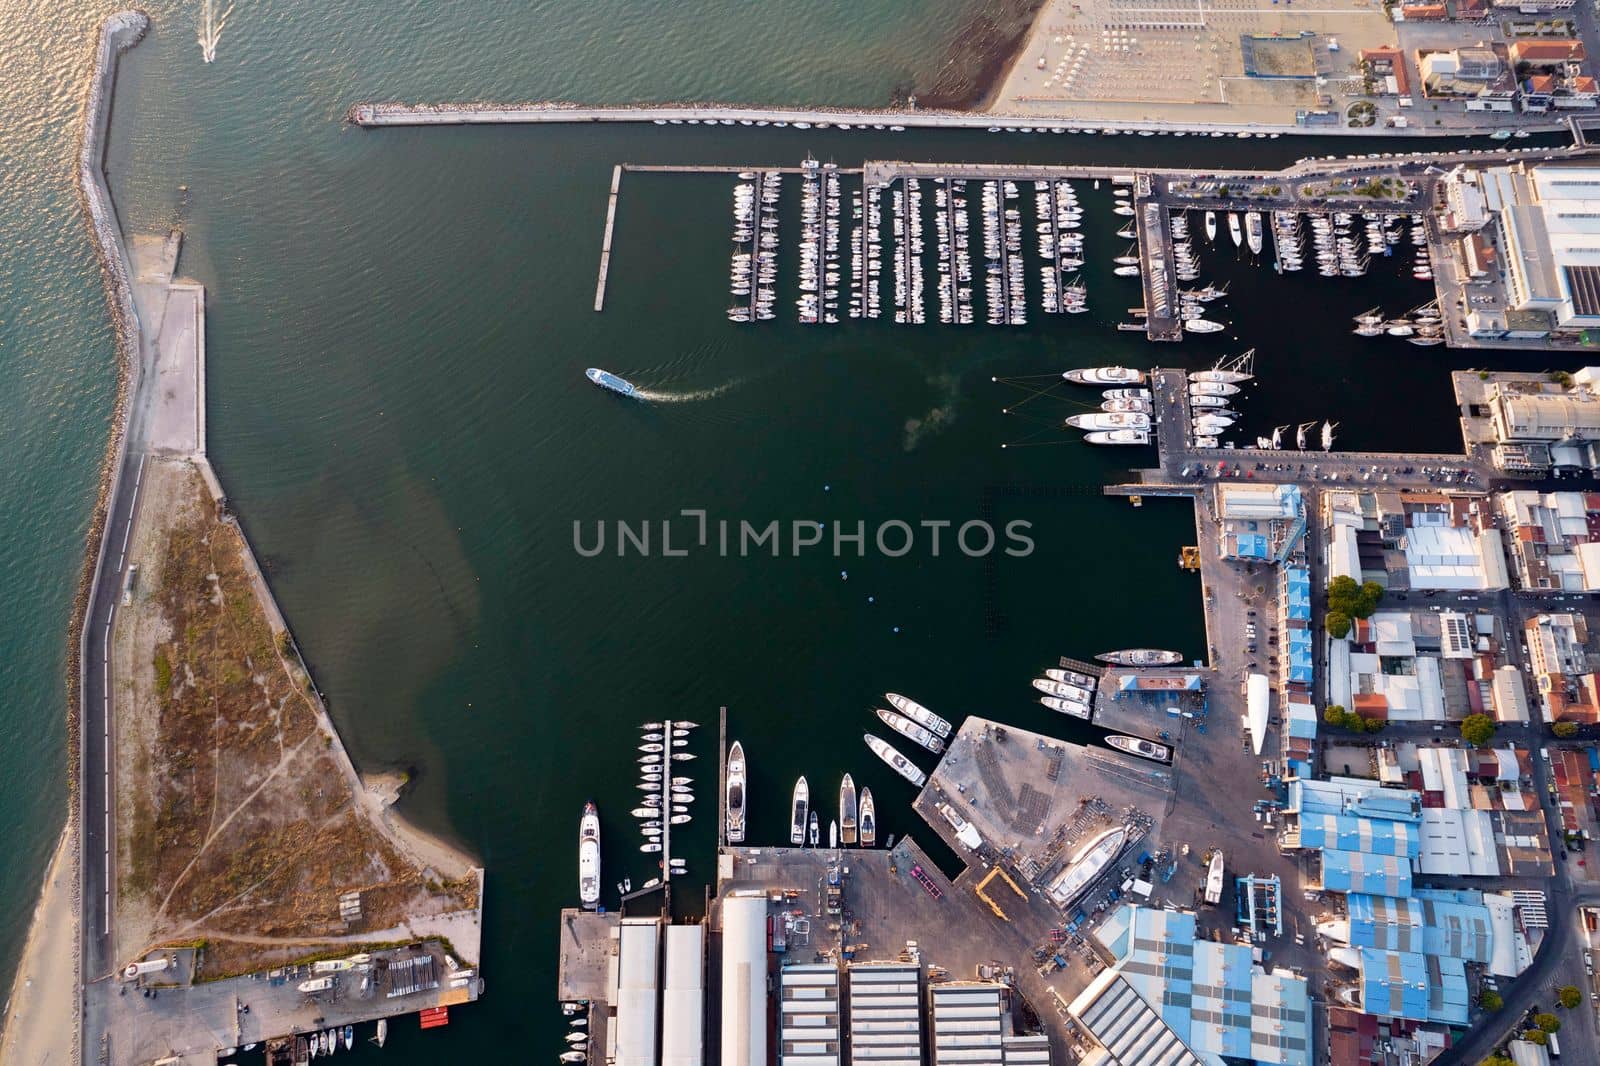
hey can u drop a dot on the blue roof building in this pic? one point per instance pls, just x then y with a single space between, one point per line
1358 871
1407 984
1343 832
1433 923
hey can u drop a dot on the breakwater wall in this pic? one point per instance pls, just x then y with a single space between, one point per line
377 115
118 33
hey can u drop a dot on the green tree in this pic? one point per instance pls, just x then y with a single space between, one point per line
1496 1060
1477 729
1490 1000
1346 597
1368 599
1536 1036
1334 715
1565 729
1548 1022
1337 623
1376 725
1569 996
1354 722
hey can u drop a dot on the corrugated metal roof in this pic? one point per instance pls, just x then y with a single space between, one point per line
638 947
683 1000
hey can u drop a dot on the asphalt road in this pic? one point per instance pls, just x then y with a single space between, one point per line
97 840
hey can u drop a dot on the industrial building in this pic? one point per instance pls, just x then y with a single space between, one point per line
744 980
970 1028
1414 540
1172 996
637 997
683 998
809 1031
885 1014
1259 523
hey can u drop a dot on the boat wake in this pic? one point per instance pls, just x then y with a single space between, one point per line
687 395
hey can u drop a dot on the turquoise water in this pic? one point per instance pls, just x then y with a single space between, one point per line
398 326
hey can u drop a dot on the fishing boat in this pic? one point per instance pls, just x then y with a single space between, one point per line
918 714
1072 707
797 816
1117 436
735 797
1140 657
813 829
1252 231
1106 420
902 766
1105 375
910 730
1211 225
607 380
1233 229
589 857
1147 749
847 810
869 819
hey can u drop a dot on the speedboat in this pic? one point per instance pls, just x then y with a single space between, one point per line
589 857
911 730
1105 375
797 819
735 798
1233 229
847 810
1211 225
918 714
607 380
813 832
1147 749
1118 436
902 766
1140 657
869 819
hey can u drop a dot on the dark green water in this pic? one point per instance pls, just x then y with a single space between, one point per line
398 327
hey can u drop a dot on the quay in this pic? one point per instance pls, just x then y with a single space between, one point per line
605 242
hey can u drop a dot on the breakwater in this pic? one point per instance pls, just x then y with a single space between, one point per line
377 115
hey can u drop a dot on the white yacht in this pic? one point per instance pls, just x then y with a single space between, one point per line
1117 436
910 730
799 808
589 857
735 798
1108 421
918 714
1233 229
902 766
1105 375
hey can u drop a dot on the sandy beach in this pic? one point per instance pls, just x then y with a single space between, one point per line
41 1022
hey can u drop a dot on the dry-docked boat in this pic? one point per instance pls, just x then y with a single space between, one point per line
1148 749
911 730
918 714
902 766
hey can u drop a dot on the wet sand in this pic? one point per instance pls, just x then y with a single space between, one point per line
980 56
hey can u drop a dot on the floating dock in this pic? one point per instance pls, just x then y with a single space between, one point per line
605 242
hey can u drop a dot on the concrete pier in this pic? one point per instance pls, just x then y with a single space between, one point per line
1156 274
605 243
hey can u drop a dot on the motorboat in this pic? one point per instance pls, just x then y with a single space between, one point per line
918 714
1202 325
657 748
1252 231
734 799
911 730
652 848
645 812
901 765
797 819
1147 749
1105 375
1107 420
1065 689
1140 657
847 810
589 857
869 819
607 380
647 760
1072 677
1208 402
833 834
573 1056
1211 225
1212 388
1127 394
813 829
1127 407
1072 707
1117 436
1233 229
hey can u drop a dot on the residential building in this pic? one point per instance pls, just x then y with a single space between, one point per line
1555 539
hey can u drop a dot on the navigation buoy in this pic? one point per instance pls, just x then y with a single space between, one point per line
827 488
872 599
897 629
844 574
